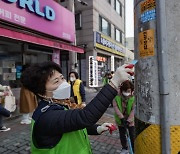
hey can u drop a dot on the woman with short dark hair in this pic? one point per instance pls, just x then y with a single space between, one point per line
59 126
124 106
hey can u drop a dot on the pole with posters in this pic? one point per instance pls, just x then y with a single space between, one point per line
157 79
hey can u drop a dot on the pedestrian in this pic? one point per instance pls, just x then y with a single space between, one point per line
58 127
77 88
28 103
3 111
107 77
124 113
106 80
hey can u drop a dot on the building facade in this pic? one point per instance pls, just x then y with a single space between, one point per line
33 32
100 28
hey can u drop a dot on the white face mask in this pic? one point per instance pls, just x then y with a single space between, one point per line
72 79
126 94
63 91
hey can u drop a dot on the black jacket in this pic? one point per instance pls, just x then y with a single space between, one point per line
55 120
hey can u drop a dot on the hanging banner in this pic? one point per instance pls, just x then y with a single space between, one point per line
93 72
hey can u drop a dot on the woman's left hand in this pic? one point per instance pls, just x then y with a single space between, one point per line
104 127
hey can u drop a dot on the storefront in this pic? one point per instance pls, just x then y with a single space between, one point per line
33 32
110 55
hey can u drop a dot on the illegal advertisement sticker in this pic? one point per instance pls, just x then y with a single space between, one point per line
146 43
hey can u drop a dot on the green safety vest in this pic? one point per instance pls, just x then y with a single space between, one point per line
75 142
118 100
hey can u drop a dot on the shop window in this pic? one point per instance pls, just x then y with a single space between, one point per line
78 21
104 26
118 7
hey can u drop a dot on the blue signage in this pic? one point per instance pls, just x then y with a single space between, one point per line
103 42
34 7
148 16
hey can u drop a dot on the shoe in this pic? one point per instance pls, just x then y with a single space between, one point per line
26 121
4 129
124 151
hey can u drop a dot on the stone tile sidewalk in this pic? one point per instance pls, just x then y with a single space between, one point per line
17 140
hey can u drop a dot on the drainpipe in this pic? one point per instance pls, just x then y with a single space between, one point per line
163 75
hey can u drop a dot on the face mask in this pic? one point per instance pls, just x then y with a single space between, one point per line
72 79
63 91
126 94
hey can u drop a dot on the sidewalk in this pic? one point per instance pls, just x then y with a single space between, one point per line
106 143
17 140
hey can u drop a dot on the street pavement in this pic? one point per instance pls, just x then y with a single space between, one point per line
17 140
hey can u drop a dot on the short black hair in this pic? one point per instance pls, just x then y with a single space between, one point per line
75 73
35 76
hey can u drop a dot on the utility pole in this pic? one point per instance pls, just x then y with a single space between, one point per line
157 81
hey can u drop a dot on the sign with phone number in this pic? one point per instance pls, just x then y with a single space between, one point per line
146 43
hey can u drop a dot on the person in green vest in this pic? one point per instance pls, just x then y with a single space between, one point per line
59 126
124 113
77 88
106 79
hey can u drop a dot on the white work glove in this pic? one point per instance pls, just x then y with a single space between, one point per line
104 127
121 75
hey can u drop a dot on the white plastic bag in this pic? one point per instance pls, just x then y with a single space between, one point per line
10 101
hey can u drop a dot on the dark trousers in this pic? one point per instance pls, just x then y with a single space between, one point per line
122 133
3 112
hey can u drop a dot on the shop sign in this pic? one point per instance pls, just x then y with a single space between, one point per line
102 59
93 72
45 16
34 7
146 43
103 42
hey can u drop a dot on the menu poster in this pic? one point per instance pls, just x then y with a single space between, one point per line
8 64
9 76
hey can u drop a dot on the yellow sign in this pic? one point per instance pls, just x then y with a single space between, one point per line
109 49
146 43
148 5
